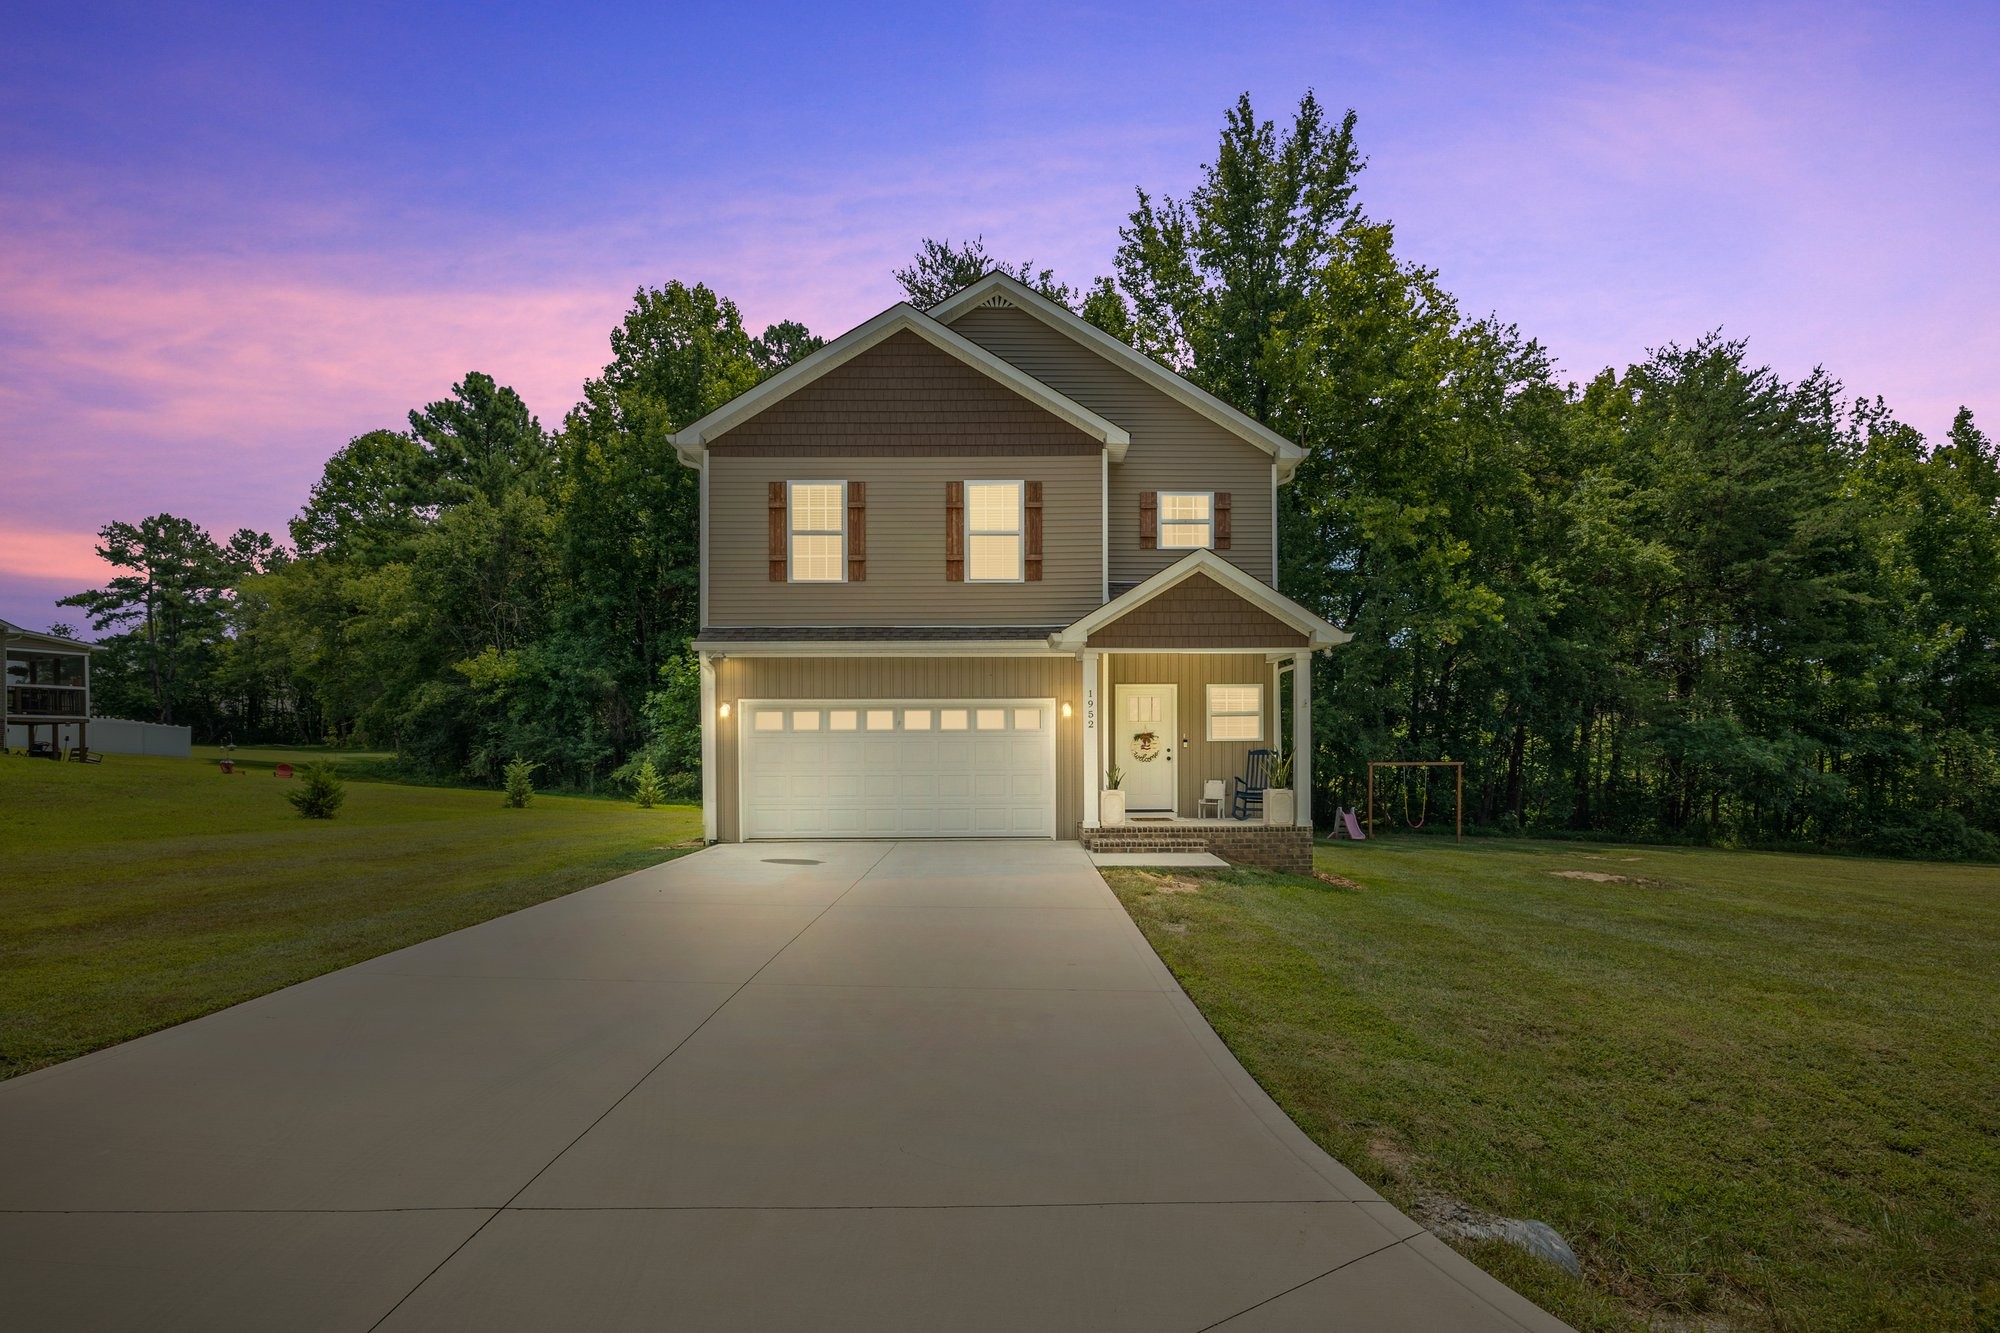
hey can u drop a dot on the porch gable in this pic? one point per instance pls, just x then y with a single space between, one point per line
1197 612
1200 603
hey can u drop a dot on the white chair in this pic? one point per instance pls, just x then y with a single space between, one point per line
1211 795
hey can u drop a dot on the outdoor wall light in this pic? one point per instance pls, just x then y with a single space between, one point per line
724 710
1065 710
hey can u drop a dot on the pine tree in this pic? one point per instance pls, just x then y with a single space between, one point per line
646 789
520 781
319 793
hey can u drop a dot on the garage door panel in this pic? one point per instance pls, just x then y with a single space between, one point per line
886 768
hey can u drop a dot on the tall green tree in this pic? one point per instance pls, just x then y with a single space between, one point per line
941 268
628 527
1216 280
169 610
481 441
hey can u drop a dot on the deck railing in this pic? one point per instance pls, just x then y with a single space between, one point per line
25 701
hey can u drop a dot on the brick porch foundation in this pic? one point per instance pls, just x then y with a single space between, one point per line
1271 846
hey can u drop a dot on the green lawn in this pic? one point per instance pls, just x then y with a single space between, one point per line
142 892
266 758
1754 1091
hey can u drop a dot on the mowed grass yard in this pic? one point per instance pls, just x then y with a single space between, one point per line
1754 1091
142 892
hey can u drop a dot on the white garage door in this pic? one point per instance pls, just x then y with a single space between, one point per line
895 768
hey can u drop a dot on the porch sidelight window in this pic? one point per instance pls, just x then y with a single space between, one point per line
1236 712
818 531
993 531
1187 520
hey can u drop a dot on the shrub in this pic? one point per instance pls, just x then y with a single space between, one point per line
646 789
519 775
319 793
1935 835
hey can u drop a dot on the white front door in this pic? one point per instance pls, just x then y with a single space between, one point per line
1146 739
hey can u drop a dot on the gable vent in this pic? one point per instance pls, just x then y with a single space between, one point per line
996 302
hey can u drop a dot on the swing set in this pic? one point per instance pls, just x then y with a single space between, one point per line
1458 803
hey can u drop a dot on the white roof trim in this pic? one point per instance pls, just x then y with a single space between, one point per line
691 441
1066 321
13 633
882 648
1319 633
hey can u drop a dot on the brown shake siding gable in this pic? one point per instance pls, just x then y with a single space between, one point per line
904 395
1197 612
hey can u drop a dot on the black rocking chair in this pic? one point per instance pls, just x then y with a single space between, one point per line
1249 789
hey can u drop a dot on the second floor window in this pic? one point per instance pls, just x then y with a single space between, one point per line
1187 520
993 544
818 517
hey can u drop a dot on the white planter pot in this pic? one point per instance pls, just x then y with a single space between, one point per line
1281 806
1111 808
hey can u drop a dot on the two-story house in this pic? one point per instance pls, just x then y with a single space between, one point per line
960 564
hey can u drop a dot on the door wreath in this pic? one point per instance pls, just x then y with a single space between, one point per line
1146 746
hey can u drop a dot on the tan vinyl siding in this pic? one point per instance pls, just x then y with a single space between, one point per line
1197 612
1058 678
1173 447
1197 756
906 582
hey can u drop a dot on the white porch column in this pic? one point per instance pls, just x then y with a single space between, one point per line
708 748
1302 735
1092 781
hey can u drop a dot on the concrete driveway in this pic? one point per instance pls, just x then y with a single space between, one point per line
814 1086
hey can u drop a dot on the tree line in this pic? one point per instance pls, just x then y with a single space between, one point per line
1689 599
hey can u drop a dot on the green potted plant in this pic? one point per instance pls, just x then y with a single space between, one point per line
1111 801
1281 802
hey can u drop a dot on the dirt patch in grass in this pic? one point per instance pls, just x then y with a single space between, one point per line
1391 1155
1602 877
1338 881
1159 883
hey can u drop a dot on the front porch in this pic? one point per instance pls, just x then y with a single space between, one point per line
1197 717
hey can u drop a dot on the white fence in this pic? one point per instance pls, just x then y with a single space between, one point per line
116 735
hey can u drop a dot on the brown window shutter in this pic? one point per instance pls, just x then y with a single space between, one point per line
857 532
1032 540
1222 520
954 532
1149 520
778 534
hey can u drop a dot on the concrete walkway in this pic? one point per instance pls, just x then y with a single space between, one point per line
798 1086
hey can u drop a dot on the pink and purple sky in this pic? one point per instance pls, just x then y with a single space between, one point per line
234 236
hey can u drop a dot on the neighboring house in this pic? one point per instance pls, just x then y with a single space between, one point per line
959 563
45 708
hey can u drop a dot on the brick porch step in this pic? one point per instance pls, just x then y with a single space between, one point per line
1275 847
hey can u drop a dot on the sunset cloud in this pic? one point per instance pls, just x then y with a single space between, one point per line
50 556
230 241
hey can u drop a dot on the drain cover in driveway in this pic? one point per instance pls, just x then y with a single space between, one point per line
789 861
